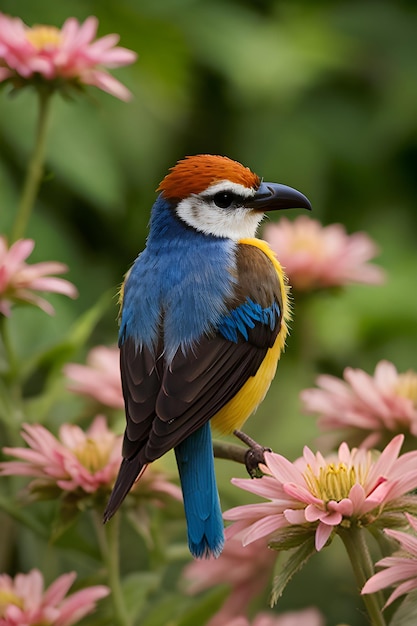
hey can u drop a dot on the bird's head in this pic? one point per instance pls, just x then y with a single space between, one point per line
219 196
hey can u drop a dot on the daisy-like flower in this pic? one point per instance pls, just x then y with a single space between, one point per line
19 281
317 495
366 408
401 568
67 56
100 378
245 569
81 462
317 257
23 600
77 460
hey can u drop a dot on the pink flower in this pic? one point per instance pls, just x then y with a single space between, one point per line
24 602
316 256
82 462
78 460
318 494
66 56
100 378
366 405
18 280
245 569
400 568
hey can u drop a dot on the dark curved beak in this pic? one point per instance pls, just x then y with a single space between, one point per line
273 197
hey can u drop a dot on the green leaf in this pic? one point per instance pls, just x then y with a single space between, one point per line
45 368
166 610
295 561
19 515
76 337
204 608
291 537
136 589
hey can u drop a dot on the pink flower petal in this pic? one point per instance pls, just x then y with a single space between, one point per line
79 604
264 527
404 588
266 487
19 281
323 533
250 511
343 507
357 496
385 461
295 516
107 83
59 589
391 576
282 469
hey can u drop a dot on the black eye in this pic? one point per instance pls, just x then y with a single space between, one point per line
224 199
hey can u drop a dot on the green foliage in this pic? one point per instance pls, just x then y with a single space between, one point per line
294 561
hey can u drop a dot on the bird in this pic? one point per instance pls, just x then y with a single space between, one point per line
204 318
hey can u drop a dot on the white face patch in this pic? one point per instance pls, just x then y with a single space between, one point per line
233 222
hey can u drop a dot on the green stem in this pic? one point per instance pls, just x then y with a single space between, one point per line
362 565
35 169
9 353
108 536
11 409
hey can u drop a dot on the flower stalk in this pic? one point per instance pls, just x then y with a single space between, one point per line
108 537
35 168
8 350
357 549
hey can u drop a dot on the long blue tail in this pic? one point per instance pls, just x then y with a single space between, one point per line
201 499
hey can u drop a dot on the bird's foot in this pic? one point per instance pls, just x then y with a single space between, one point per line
254 456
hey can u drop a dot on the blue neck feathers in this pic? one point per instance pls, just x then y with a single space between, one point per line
179 283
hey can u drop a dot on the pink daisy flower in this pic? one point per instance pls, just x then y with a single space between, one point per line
19 281
318 494
363 405
67 55
316 256
401 568
245 569
23 600
78 461
100 378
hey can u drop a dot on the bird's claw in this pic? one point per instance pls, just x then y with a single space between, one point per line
254 456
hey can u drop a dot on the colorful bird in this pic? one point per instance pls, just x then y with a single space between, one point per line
203 322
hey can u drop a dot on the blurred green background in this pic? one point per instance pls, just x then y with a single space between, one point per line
321 96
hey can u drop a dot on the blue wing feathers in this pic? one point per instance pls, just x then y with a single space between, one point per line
244 317
201 500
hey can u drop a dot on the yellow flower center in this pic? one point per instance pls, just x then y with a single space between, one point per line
44 36
333 482
7 597
406 386
92 455
306 243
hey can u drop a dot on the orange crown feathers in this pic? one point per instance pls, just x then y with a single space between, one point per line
194 174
